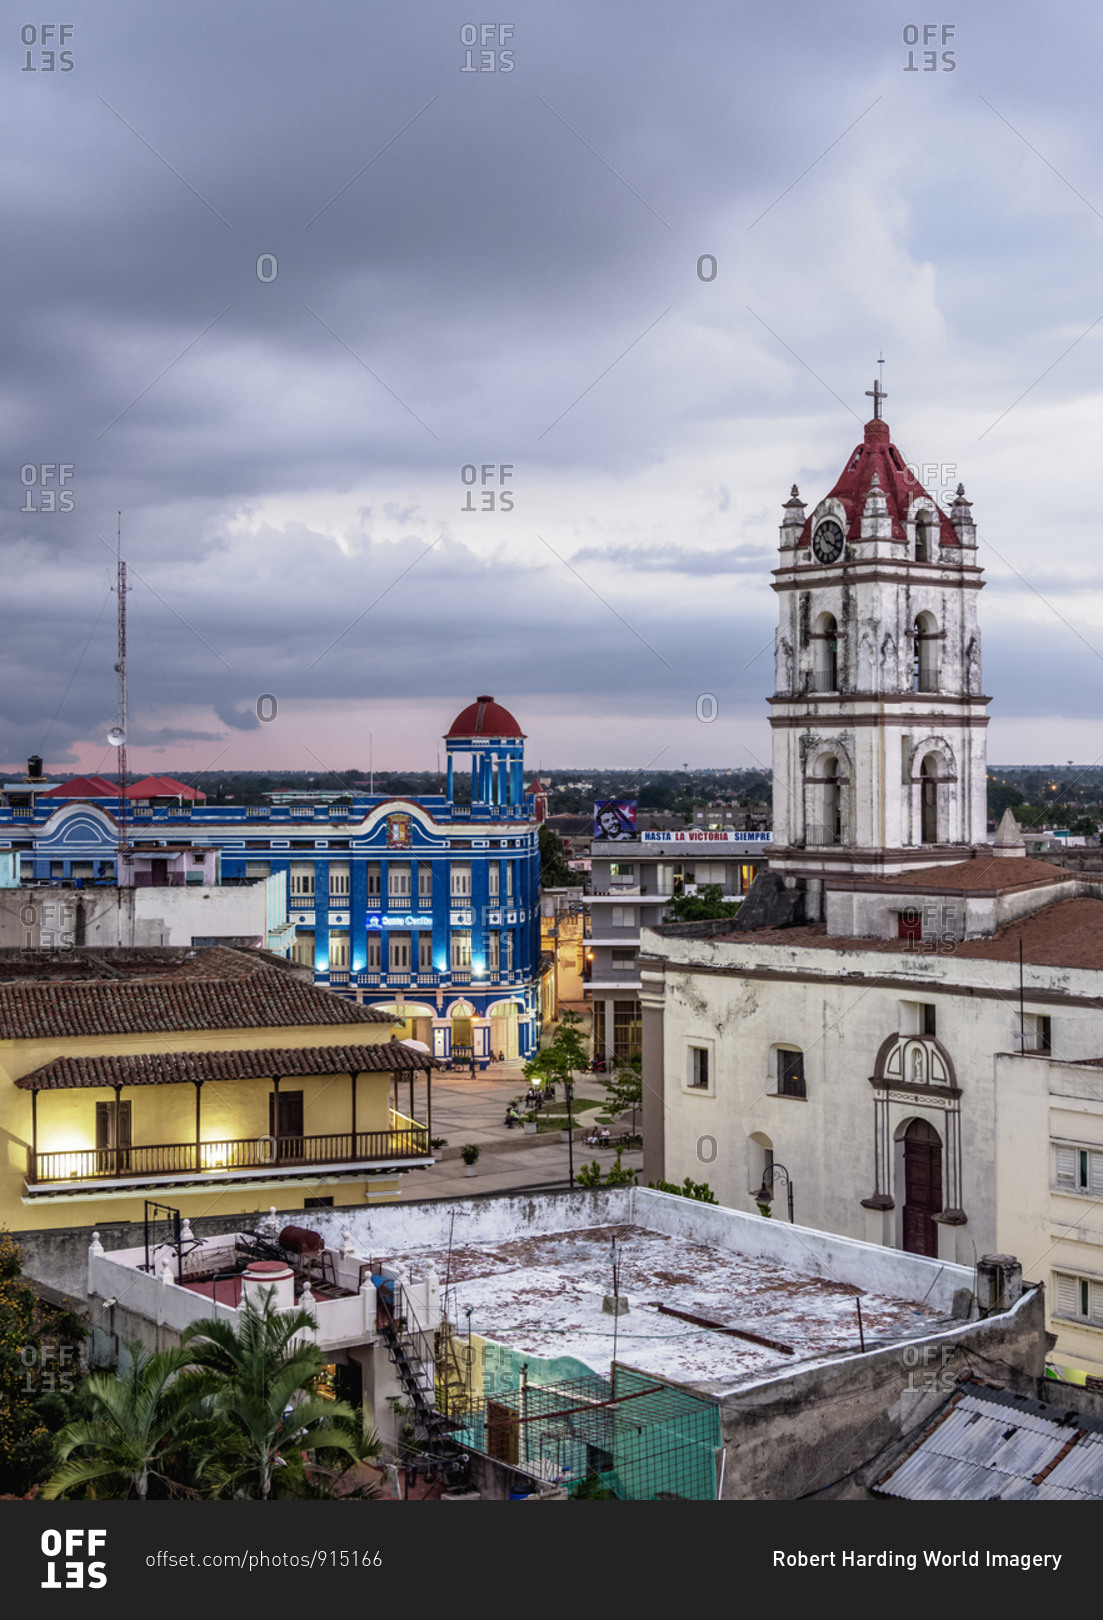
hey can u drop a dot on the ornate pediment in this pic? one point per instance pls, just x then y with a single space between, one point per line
914 1060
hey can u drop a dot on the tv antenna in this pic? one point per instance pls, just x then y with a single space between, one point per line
117 735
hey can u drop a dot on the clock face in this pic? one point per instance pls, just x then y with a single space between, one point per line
827 542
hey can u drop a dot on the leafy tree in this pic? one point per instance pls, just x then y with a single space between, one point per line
31 1337
624 1089
566 1054
619 1174
704 907
1002 796
1085 827
589 1175
554 871
689 1189
265 1376
136 1434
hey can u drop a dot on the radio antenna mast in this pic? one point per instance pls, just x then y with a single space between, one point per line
117 736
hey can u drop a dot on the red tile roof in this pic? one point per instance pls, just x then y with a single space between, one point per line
1066 933
198 994
877 454
164 787
83 787
176 1068
985 874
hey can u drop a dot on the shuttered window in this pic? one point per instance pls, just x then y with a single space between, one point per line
1078 1169
1078 1299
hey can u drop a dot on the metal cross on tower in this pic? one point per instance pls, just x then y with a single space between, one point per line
876 394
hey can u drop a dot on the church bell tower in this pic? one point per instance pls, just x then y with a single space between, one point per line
878 716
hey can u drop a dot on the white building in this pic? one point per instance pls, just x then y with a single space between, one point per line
915 1054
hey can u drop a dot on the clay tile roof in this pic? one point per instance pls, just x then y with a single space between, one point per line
981 875
263 998
877 454
83 787
484 718
1065 933
177 1068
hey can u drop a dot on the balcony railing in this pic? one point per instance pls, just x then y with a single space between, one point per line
250 1153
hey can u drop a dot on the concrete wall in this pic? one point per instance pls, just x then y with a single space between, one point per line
821 1431
57 918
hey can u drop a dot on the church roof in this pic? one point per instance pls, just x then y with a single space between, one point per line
984 874
877 454
484 718
1065 933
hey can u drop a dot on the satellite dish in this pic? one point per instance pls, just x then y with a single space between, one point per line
116 736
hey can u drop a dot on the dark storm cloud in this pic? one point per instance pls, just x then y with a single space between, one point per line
678 560
511 277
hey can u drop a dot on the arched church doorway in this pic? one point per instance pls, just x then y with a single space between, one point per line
922 1175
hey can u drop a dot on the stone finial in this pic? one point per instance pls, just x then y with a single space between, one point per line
793 521
875 500
348 1247
961 517
186 1234
306 1298
95 1247
166 1272
270 1223
1009 838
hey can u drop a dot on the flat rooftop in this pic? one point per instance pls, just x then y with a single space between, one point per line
542 1294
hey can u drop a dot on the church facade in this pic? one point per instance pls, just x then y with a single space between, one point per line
903 1029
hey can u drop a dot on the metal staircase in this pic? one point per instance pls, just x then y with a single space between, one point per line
410 1348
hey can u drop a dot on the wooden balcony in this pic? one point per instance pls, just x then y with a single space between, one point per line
217 1159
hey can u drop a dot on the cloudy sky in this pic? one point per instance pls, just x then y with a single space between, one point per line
278 273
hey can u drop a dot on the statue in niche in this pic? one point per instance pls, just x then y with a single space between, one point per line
919 1076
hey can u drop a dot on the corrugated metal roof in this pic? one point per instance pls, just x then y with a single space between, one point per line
994 1445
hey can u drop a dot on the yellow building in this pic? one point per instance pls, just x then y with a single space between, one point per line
218 1081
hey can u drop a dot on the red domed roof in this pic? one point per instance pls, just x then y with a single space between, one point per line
877 454
484 718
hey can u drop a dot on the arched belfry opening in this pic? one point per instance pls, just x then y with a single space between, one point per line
928 799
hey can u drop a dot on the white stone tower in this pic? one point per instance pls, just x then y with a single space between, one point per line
878 718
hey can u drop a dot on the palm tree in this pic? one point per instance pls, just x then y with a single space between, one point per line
136 1428
265 1399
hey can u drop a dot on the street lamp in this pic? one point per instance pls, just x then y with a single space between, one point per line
765 1194
568 1092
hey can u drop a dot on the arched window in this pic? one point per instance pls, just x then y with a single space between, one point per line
928 791
926 536
827 820
787 1070
826 678
925 654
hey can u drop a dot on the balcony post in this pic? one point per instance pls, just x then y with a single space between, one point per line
118 1153
429 1108
198 1150
34 1134
275 1105
353 1078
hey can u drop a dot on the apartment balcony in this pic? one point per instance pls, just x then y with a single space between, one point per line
241 1158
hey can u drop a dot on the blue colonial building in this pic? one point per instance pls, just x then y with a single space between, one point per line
427 906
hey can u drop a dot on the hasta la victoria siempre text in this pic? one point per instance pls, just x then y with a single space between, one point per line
933 1560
